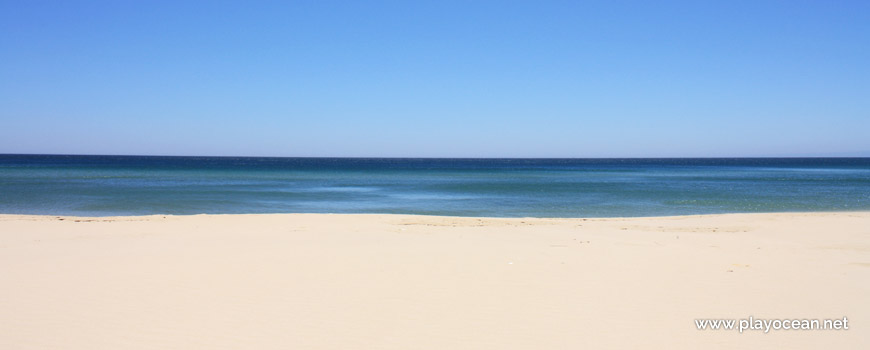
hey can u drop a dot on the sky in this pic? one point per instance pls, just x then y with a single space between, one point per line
436 79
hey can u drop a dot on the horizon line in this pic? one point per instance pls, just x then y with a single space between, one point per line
382 157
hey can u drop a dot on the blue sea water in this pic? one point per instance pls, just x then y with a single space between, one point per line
133 185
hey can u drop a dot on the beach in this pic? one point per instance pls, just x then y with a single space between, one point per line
372 281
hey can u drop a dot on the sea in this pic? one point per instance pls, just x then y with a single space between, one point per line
143 185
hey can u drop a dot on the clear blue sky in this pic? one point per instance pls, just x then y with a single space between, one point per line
441 78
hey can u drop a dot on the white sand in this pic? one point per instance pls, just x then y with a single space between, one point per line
415 282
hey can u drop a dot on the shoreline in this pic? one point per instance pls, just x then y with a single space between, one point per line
389 281
49 216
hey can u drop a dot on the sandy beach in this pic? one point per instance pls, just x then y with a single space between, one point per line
322 281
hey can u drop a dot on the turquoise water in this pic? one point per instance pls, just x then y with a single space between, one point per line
124 185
